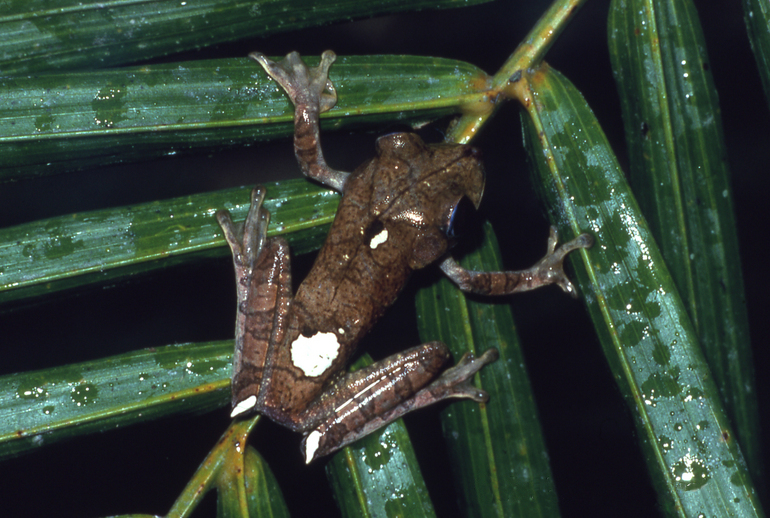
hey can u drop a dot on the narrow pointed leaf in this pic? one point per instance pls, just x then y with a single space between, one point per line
646 333
40 36
223 468
756 13
251 492
106 245
680 175
60 122
262 491
41 407
497 449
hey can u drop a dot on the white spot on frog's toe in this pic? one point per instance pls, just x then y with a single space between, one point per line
314 355
311 445
244 406
379 239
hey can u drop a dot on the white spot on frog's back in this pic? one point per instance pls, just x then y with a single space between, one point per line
314 355
244 406
311 445
379 239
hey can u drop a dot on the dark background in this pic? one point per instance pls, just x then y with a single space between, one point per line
589 431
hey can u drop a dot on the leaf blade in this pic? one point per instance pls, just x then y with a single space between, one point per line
67 34
756 14
41 407
644 328
498 472
681 177
61 122
60 253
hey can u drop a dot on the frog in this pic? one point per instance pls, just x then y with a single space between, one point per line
396 215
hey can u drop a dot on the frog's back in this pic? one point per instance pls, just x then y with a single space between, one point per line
392 219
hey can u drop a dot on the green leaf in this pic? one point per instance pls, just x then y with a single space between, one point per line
264 495
259 491
497 450
646 333
42 407
106 245
756 14
378 475
45 35
681 178
61 122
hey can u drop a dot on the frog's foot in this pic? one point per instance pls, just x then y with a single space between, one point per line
458 381
312 93
550 269
305 86
246 239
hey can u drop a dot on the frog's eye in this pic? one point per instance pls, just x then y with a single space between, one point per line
460 214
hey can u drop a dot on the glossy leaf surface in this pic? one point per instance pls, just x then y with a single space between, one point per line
105 245
249 489
60 122
42 407
45 35
646 333
681 178
756 14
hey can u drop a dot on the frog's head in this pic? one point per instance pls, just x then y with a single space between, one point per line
418 188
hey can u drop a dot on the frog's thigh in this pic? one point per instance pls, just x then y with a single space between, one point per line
362 397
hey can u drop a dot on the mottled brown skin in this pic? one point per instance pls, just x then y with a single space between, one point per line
393 219
351 284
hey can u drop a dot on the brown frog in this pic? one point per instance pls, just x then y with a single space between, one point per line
394 216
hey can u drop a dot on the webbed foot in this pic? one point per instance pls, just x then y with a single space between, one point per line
312 93
550 269
246 239
304 85
457 381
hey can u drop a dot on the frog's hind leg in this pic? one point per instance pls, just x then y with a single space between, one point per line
377 395
312 93
263 281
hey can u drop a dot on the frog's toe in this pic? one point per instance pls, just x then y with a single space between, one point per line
304 85
550 269
255 226
458 380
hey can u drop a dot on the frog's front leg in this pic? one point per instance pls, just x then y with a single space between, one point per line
370 398
263 281
549 270
312 93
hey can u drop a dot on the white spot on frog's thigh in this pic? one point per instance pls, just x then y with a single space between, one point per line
311 445
244 406
315 354
379 239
